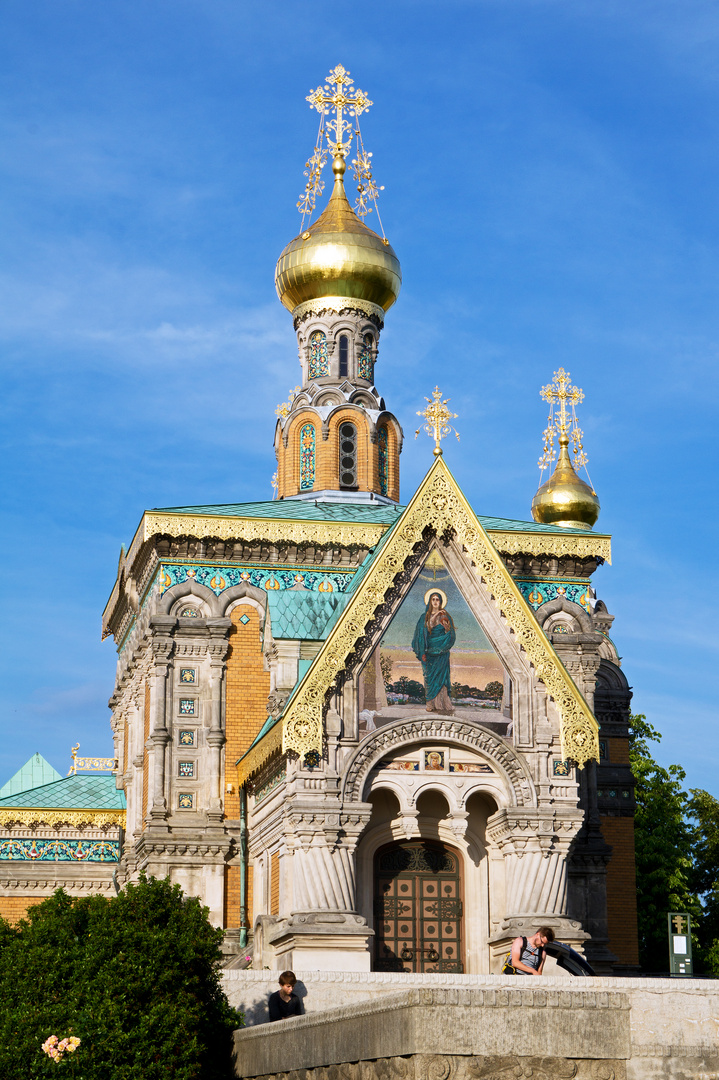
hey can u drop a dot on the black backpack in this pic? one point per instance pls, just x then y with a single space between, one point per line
508 967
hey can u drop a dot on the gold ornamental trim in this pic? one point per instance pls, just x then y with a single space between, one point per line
335 305
36 816
270 745
536 543
440 503
344 533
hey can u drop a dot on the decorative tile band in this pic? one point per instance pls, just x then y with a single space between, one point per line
537 593
219 578
60 850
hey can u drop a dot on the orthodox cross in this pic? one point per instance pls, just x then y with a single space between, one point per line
562 421
339 96
340 99
437 417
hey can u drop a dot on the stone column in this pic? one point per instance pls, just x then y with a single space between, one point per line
323 931
535 843
217 649
162 645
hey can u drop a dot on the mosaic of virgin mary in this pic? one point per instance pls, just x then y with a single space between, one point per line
433 638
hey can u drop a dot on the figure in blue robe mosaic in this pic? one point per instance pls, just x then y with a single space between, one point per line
433 638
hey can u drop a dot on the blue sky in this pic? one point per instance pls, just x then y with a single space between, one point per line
550 172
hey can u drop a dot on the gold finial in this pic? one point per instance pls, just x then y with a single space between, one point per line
284 407
437 417
339 96
563 422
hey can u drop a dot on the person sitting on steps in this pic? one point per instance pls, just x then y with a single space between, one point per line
284 1002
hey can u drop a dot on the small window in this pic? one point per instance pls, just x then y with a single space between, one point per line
344 354
348 456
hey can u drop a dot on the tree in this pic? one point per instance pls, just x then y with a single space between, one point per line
385 663
136 978
704 819
494 689
663 840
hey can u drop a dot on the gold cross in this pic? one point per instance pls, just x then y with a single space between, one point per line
679 921
340 99
561 393
437 417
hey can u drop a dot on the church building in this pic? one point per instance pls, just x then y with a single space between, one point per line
375 736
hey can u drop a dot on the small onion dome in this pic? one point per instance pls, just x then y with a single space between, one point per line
338 256
565 499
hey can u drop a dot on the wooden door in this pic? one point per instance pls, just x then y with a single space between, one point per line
418 908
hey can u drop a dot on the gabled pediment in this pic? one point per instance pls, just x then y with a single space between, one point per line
438 511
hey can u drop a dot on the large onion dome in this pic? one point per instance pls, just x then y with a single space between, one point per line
565 499
338 256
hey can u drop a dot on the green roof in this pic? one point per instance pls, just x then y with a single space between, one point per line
34 773
365 513
301 510
303 614
82 791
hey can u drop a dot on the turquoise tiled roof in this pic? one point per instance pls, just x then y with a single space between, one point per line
35 772
284 509
495 524
79 792
303 614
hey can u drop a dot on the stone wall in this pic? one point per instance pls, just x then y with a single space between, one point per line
458 1027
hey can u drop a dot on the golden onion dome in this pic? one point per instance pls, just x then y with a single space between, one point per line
565 499
338 256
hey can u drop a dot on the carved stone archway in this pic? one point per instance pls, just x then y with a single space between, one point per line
403 732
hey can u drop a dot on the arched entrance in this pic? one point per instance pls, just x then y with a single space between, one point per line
418 911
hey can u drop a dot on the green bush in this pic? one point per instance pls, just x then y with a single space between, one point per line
136 978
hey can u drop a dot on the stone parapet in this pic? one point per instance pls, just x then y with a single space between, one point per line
456 1027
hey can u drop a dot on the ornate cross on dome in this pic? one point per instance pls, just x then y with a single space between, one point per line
437 417
562 420
339 96
340 99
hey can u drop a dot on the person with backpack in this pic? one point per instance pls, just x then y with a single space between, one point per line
526 957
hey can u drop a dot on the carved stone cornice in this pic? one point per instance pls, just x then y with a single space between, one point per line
335 305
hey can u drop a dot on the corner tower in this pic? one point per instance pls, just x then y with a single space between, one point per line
335 438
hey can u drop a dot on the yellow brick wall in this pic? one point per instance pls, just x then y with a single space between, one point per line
145 753
14 908
247 687
618 751
621 889
233 898
275 884
327 455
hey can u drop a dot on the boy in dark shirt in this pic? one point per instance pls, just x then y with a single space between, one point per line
284 1002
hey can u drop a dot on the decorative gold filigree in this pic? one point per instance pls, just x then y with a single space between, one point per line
253 761
335 305
37 816
90 764
342 533
531 543
439 503
343 98
437 417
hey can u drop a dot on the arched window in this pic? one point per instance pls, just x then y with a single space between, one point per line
318 364
307 457
344 354
348 456
365 365
383 460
